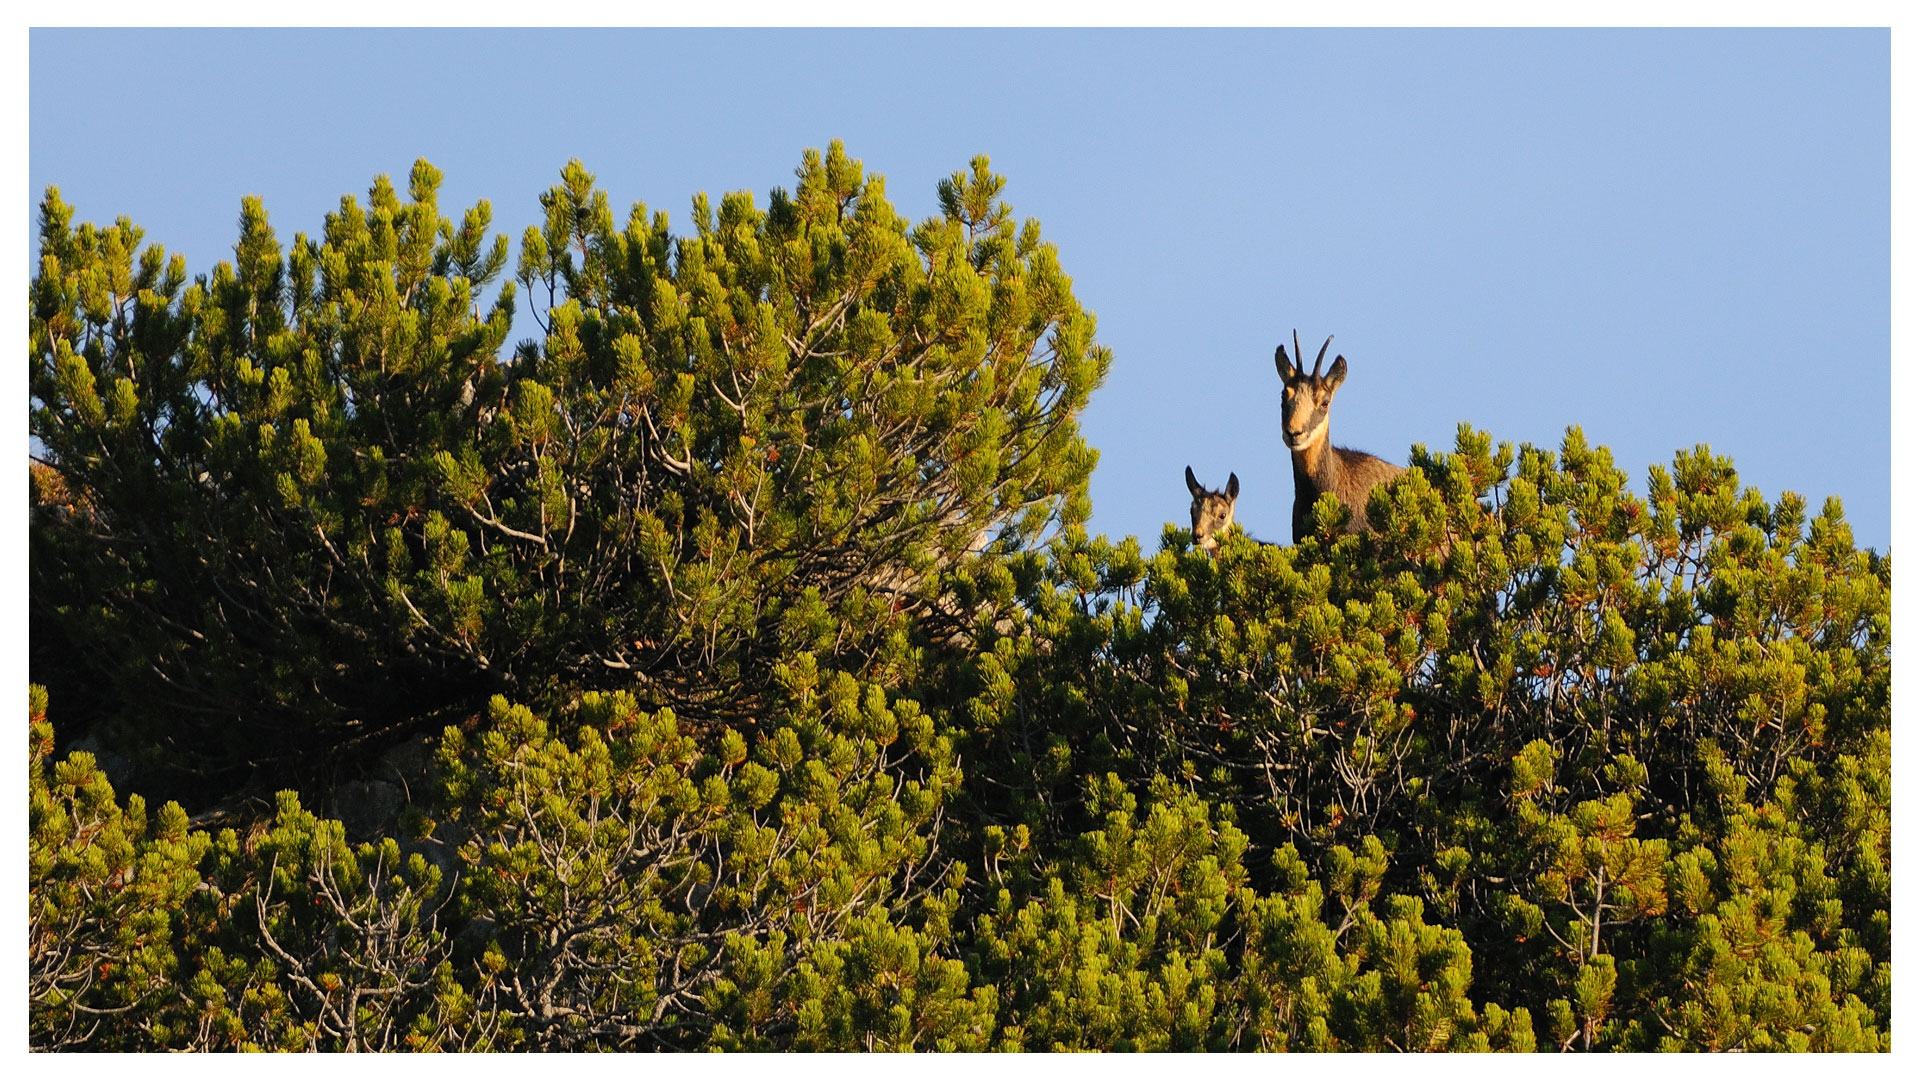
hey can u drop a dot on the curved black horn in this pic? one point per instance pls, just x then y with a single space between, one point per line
1299 354
1322 356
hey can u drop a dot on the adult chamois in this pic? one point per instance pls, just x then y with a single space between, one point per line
1318 465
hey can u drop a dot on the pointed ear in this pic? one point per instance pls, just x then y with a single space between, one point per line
1282 365
1337 373
1233 486
1193 485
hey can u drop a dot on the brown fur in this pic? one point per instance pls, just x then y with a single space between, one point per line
1318 465
1212 511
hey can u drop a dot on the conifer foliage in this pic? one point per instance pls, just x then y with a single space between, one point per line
779 699
324 508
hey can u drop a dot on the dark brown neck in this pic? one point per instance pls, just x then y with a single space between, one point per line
1311 467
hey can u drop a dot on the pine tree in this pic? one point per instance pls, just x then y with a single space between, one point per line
322 509
780 700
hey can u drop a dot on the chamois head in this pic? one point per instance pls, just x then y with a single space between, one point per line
1304 403
1212 511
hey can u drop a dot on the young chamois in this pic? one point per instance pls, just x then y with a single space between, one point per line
1212 511
1318 465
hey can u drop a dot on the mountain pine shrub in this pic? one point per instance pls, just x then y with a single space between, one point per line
780 700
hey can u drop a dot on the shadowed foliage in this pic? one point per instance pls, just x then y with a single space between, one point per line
321 509
778 699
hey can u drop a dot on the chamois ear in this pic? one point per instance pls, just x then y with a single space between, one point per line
1284 366
1193 485
1233 486
1337 373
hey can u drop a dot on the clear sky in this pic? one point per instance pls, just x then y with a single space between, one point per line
1666 237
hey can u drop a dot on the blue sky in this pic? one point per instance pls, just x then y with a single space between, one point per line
1666 237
